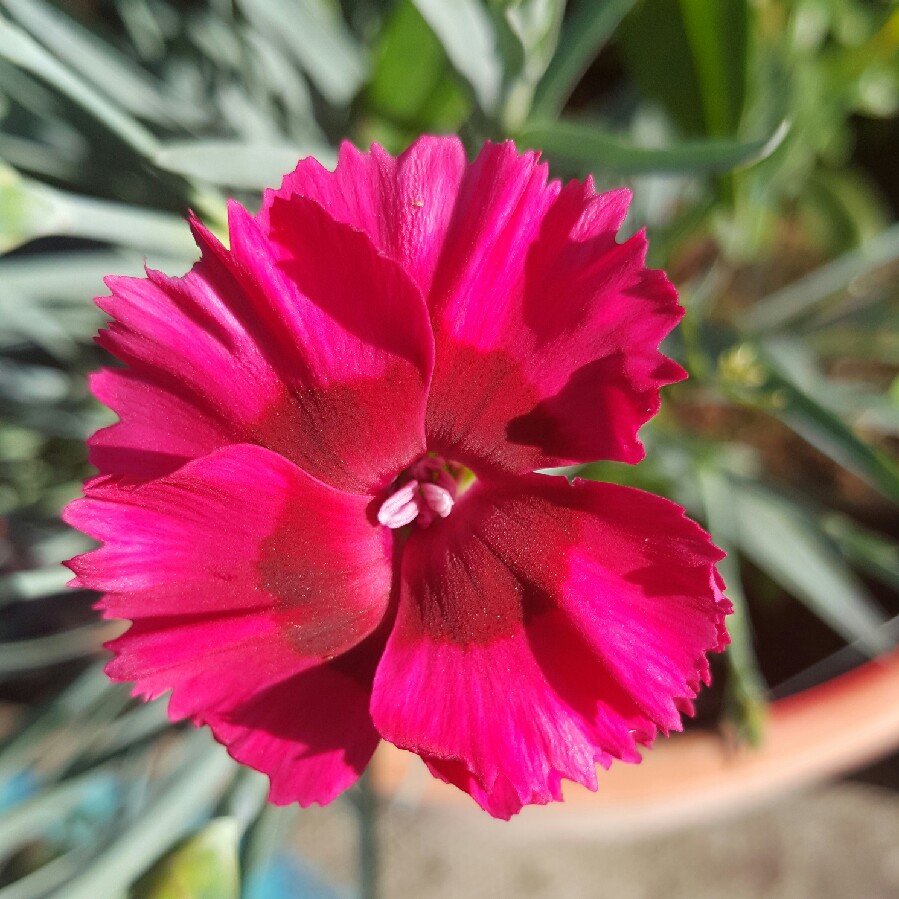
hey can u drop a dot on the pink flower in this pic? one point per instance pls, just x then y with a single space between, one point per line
287 503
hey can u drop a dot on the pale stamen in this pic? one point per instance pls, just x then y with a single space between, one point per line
430 494
402 507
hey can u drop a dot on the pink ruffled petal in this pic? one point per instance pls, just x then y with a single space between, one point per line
261 345
544 627
198 377
547 330
352 331
404 204
238 570
158 430
312 734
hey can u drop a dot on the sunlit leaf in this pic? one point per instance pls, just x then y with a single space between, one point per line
316 35
20 49
29 209
110 72
584 33
466 32
412 83
796 299
587 146
204 867
785 541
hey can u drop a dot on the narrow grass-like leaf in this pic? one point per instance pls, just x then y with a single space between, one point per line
36 584
585 146
22 50
466 32
74 702
785 541
190 794
19 656
717 32
110 71
789 303
33 817
29 209
38 158
24 319
871 552
39 883
583 35
204 867
238 164
798 408
746 686
412 83
319 40
67 276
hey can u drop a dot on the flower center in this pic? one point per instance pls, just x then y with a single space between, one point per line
425 491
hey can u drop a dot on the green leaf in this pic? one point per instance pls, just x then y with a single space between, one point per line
204 867
315 33
586 146
691 56
584 33
786 542
194 789
467 34
655 50
35 816
746 687
20 49
411 83
109 71
18 656
35 584
237 164
802 296
717 32
795 404
873 553
24 209
64 276
29 209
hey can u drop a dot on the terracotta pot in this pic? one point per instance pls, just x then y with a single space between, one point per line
697 776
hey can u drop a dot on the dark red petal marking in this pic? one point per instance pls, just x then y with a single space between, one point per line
322 353
238 570
543 627
547 330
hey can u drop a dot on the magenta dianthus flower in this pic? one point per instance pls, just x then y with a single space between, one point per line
319 507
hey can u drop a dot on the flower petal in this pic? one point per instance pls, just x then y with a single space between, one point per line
404 204
547 330
543 627
237 570
353 332
312 734
275 348
158 430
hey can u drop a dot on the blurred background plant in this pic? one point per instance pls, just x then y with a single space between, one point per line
760 138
